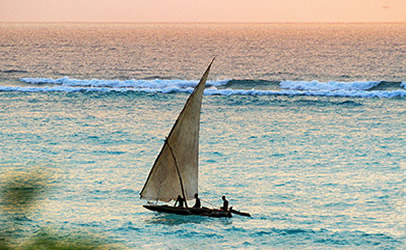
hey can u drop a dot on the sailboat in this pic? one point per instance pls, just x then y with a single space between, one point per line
175 171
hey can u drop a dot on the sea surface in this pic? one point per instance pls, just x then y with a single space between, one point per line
303 126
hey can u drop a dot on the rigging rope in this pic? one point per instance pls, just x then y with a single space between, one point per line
211 204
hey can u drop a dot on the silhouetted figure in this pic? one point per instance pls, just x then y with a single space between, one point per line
225 203
197 203
180 200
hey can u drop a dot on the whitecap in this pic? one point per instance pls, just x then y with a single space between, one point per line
151 84
211 91
331 85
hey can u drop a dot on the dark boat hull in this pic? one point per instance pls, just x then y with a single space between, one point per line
239 212
189 211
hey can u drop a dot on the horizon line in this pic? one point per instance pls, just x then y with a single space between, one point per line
193 22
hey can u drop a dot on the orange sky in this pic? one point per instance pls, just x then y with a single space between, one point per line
203 10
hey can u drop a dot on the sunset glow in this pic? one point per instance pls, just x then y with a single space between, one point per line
202 11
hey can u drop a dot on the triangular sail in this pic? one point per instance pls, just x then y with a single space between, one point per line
178 159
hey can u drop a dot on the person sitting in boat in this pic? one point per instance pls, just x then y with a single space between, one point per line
180 200
225 203
197 203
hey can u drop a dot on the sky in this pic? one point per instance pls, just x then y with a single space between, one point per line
202 10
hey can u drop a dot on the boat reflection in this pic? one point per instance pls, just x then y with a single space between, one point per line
174 219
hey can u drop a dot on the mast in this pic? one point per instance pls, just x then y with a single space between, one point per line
177 170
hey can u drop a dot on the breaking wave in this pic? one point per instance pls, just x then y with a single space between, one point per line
151 84
331 85
342 93
360 89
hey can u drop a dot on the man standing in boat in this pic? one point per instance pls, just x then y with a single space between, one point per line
179 201
225 203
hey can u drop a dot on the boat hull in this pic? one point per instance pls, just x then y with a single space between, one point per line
189 211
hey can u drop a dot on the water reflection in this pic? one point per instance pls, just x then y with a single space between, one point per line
174 220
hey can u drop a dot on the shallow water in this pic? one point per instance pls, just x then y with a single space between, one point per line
317 167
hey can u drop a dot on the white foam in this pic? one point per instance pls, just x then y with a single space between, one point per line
331 85
290 88
151 84
93 89
341 93
212 91
51 89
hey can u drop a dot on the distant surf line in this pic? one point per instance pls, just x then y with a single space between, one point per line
179 83
361 89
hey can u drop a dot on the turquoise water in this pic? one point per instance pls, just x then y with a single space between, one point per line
307 135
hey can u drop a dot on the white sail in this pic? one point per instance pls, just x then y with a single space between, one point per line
175 171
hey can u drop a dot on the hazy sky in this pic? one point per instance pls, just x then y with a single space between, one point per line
203 10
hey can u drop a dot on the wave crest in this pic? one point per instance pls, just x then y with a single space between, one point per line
360 89
150 84
331 85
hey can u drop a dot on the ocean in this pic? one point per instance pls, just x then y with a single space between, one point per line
303 126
